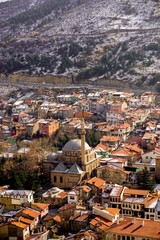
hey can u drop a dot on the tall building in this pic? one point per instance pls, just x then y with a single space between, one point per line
77 161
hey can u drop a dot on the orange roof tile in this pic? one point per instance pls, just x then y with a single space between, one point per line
128 191
36 236
62 195
98 182
113 211
30 212
100 222
19 224
151 202
82 218
57 218
25 220
41 206
101 146
86 189
67 206
141 228
109 139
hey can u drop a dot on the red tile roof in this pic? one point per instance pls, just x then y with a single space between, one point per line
141 228
98 182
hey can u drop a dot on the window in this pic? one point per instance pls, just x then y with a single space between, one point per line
118 237
128 238
72 197
123 237
55 179
152 169
61 179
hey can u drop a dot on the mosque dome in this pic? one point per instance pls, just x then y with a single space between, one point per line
75 145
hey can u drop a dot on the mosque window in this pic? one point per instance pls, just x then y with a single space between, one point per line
61 179
55 179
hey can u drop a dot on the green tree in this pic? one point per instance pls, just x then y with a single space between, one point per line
17 182
145 180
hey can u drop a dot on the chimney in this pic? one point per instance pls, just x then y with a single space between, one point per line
133 220
106 205
117 220
142 223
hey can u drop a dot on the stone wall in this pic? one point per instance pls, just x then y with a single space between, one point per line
65 80
19 77
115 84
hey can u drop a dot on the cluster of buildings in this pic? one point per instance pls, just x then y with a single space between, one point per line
94 192
94 209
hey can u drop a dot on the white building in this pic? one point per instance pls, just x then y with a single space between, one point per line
25 196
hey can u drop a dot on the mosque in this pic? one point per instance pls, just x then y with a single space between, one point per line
76 162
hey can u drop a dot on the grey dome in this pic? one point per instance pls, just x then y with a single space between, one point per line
75 145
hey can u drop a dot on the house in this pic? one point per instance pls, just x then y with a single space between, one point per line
51 221
32 126
130 152
103 150
39 236
117 162
41 207
48 127
54 197
85 234
86 115
83 105
148 162
133 202
116 196
14 230
85 193
73 196
66 211
120 96
61 199
96 184
79 221
100 225
25 196
110 141
118 108
112 117
148 141
31 214
10 203
147 99
134 229
150 208
65 112
113 174
20 130
29 222
123 131
111 214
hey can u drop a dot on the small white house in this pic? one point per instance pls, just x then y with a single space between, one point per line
73 196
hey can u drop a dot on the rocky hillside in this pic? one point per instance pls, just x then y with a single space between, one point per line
86 39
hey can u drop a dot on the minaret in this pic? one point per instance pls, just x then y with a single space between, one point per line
83 132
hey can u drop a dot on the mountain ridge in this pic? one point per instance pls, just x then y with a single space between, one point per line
78 35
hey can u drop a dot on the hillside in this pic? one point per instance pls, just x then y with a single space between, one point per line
86 39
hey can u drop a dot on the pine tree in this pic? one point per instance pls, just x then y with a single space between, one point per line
145 180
